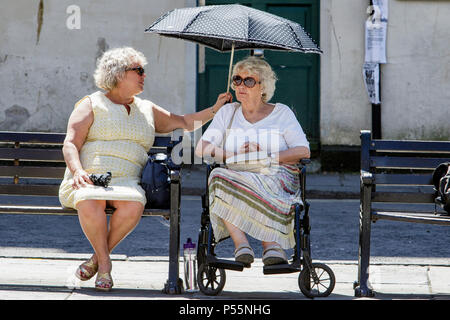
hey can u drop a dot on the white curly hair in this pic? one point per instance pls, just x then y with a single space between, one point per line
111 66
261 68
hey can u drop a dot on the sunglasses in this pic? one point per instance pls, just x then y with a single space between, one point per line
249 82
139 70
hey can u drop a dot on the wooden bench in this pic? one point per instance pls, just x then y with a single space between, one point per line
396 184
32 167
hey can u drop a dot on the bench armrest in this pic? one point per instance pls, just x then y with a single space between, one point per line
175 176
366 178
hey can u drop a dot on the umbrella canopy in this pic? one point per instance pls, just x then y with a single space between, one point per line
234 27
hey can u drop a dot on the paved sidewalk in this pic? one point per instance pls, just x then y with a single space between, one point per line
142 278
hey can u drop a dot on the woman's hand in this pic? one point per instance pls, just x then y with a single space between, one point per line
81 179
222 99
249 147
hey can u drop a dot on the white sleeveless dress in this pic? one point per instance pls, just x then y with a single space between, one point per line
117 142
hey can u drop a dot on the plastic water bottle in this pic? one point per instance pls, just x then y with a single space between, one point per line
190 266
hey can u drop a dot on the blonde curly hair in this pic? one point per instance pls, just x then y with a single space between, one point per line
258 67
111 66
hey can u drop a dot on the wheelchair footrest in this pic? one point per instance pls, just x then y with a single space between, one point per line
224 264
281 268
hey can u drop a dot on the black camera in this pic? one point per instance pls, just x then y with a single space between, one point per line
101 179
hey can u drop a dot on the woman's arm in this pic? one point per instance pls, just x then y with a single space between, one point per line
206 149
288 156
291 155
77 130
167 122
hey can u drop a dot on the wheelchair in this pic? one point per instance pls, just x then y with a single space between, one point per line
315 279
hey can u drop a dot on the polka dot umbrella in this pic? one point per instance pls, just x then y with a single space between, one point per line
234 27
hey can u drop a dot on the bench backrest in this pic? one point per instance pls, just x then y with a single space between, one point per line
402 169
32 163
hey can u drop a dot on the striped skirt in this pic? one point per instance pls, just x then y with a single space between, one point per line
259 204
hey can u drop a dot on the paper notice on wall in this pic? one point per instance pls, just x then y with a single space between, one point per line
376 42
371 74
376 30
383 6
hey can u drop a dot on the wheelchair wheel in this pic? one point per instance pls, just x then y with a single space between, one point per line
321 286
210 280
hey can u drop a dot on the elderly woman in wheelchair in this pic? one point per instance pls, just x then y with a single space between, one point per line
258 191
257 203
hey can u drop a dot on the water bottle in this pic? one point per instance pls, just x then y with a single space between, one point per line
190 266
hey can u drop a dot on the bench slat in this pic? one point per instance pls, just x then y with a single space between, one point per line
58 138
403 197
57 210
406 162
31 154
30 189
32 172
403 179
410 146
429 218
32 137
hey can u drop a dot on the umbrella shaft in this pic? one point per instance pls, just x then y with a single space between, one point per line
229 69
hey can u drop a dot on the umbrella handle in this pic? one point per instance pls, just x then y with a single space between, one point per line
229 69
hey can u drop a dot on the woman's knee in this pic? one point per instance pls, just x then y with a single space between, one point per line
131 209
91 206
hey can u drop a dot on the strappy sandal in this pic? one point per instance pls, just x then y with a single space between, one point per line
274 255
86 270
103 282
244 254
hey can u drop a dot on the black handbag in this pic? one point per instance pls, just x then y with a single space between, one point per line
441 181
155 180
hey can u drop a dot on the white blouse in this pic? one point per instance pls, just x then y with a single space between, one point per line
279 131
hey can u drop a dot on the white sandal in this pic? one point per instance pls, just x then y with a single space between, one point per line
244 254
274 255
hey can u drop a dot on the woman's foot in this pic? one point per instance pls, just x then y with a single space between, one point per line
244 254
274 254
87 270
104 282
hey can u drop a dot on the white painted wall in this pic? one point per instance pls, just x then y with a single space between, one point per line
415 81
41 79
344 106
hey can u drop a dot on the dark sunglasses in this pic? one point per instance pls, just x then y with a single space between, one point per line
139 70
249 82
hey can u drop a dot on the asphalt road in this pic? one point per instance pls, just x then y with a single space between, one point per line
334 234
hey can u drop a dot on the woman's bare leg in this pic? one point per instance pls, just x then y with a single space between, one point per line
93 221
124 219
236 234
239 237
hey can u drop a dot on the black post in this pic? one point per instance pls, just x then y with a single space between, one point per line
376 121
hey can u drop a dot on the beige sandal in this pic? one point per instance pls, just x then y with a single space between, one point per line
104 282
86 270
274 255
244 254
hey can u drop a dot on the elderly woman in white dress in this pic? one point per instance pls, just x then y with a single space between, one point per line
260 204
112 130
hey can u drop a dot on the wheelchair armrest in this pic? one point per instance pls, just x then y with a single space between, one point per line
302 164
305 161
